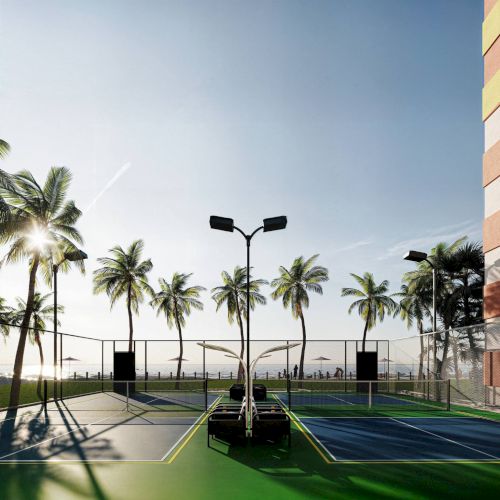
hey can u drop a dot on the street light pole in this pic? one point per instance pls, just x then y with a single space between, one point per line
227 224
72 256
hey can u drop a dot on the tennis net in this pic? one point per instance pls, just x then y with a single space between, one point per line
140 395
333 396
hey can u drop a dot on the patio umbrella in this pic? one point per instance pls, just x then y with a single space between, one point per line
385 360
321 359
69 359
177 359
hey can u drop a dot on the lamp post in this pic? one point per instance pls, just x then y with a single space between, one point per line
227 224
415 256
72 256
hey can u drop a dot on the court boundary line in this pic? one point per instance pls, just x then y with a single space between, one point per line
307 433
193 429
84 426
446 439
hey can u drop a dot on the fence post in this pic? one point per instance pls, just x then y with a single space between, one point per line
231 375
195 375
170 375
398 375
158 375
74 375
111 375
448 395
182 375
86 375
98 375
267 375
219 375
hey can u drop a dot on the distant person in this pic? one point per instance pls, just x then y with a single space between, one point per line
284 372
339 373
295 370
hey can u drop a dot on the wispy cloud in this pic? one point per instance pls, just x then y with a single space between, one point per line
108 185
425 242
351 246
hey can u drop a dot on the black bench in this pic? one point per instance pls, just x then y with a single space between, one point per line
237 392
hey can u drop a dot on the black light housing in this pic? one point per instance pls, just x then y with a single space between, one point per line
222 223
75 255
275 223
415 256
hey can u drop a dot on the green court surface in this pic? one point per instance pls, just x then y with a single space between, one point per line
192 470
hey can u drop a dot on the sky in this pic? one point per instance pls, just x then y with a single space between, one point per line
359 120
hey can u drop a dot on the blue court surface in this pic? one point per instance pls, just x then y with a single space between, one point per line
345 398
406 439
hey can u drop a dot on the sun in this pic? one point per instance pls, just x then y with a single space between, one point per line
39 238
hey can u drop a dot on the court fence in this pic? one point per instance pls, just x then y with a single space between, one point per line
455 354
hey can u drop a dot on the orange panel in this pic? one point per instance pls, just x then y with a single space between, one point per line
491 164
492 61
491 232
491 368
488 5
491 305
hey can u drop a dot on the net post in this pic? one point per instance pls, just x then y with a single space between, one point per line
370 394
206 394
289 392
127 393
448 395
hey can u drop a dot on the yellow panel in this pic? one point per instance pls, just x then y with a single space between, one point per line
491 95
491 27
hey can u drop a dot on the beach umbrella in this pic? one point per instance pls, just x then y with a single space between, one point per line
69 359
385 360
321 359
177 359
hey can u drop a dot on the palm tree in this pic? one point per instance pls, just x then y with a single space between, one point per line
42 312
413 306
373 302
233 293
175 301
5 317
293 285
124 274
4 148
39 225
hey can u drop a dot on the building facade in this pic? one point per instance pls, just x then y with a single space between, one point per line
491 159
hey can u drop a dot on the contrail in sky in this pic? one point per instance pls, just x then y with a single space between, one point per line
115 177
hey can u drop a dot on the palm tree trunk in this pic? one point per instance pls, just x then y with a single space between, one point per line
241 370
303 350
365 331
15 389
40 376
455 362
181 353
130 322
421 356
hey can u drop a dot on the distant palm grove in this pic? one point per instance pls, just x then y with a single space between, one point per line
38 226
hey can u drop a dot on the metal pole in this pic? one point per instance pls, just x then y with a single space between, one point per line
54 273
102 365
287 359
434 318
204 365
249 425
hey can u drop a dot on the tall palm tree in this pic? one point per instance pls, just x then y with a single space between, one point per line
293 286
413 306
125 274
175 300
233 293
42 311
447 303
373 302
39 225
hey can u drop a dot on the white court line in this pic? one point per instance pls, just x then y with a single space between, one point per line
79 427
445 438
185 434
340 399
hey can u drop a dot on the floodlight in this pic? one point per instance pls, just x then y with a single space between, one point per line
75 255
415 256
222 223
275 223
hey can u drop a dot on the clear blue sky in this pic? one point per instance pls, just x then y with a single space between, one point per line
359 120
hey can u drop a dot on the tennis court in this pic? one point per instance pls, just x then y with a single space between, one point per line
394 422
143 424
